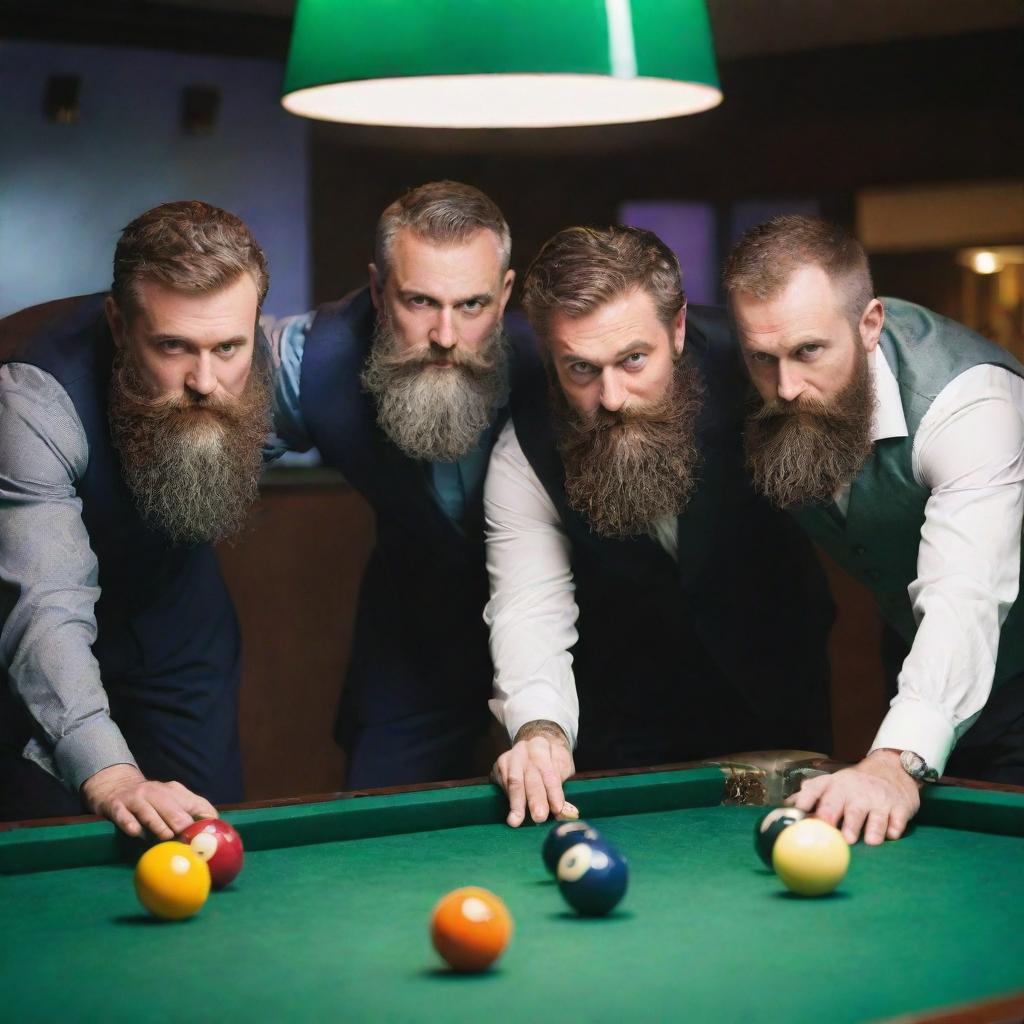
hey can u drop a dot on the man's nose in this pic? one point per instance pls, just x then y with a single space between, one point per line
791 381
613 394
200 378
443 331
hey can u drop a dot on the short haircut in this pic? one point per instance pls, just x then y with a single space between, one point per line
189 246
766 257
580 269
443 213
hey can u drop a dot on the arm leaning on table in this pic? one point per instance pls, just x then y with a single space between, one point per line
48 592
969 453
532 616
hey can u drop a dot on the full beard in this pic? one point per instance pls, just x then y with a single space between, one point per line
626 469
432 412
801 453
192 464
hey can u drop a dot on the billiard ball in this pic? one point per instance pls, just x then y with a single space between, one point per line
770 827
172 881
811 857
561 837
592 877
470 928
219 845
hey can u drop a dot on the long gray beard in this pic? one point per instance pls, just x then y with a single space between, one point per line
438 414
193 467
627 469
801 454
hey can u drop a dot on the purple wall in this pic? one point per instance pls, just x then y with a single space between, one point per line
67 190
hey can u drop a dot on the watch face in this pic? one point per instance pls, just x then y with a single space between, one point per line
914 765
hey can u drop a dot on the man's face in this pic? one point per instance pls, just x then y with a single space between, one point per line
438 365
189 408
812 433
800 346
618 358
440 299
187 347
625 409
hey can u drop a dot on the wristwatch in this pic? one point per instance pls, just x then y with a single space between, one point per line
914 765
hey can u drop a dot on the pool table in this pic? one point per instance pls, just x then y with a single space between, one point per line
328 920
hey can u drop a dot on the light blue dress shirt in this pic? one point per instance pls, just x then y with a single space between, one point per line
450 481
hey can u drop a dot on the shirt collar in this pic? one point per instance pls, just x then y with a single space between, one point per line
888 419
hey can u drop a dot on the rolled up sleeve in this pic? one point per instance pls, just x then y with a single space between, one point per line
48 580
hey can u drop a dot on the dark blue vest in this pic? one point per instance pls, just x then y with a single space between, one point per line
722 650
420 642
167 644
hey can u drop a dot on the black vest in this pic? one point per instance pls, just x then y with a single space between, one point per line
721 651
167 642
420 642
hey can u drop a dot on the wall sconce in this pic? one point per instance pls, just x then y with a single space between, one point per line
60 100
199 109
991 260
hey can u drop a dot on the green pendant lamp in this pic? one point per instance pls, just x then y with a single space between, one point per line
500 63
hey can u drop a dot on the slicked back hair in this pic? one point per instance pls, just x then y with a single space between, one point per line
443 213
766 257
580 269
189 246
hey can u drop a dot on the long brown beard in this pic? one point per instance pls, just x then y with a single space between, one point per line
430 412
192 464
624 470
800 453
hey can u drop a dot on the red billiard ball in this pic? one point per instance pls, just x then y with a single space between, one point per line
217 843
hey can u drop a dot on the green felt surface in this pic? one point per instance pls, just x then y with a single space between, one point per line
337 930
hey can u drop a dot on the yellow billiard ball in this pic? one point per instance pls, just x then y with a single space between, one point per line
811 857
172 881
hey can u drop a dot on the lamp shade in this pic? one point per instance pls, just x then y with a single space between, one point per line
500 63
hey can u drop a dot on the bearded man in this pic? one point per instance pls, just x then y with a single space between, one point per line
622 502
896 436
130 433
403 386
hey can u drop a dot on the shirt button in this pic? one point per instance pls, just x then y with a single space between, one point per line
859 550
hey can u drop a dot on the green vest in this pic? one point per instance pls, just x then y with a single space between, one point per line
878 540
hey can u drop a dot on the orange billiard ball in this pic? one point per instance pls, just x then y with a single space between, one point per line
470 928
219 845
172 881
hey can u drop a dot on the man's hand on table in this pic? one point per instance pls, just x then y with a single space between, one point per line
876 795
126 797
532 773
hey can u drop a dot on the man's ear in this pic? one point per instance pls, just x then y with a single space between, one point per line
376 287
872 320
115 319
679 332
506 290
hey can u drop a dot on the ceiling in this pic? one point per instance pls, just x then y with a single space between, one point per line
745 28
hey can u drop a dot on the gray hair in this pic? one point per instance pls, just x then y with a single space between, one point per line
442 212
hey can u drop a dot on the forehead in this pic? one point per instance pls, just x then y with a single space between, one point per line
810 305
229 310
468 267
605 331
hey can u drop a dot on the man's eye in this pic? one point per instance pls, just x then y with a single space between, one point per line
472 305
809 351
170 346
226 349
760 357
581 369
419 301
635 360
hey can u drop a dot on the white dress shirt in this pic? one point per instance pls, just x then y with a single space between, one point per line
532 611
969 451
